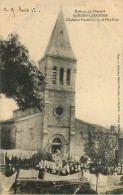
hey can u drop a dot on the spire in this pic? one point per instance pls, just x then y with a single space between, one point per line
59 44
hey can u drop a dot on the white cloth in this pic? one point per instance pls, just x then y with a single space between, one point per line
113 180
7 182
103 179
51 177
28 174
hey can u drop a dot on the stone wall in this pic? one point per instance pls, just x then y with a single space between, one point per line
53 124
7 135
55 99
30 111
29 134
81 135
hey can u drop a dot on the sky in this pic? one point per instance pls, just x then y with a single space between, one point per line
96 45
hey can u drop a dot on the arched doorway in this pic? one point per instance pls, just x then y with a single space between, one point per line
56 145
57 141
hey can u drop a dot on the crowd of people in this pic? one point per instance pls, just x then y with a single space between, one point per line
62 169
58 166
114 170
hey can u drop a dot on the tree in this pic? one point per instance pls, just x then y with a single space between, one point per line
20 78
100 149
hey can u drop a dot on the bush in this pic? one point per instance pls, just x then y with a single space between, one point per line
41 155
84 188
115 191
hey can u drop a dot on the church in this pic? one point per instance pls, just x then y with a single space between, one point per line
56 125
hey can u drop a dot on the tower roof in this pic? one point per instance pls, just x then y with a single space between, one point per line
59 43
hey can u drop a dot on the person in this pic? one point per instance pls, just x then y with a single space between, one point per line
13 169
116 169
64 171
71 170
54 169
82 172
48 168
41 172
10 172
79 168
37 167
19 163
7 160
76 168
68 170
111 170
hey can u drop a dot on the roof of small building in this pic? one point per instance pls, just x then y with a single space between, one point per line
96 127
18 119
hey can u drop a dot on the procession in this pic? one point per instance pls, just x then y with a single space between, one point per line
57 166
55 163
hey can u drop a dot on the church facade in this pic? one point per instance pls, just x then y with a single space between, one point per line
56 125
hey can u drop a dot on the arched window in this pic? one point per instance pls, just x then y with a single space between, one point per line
54 75
61 75
68 77
57 140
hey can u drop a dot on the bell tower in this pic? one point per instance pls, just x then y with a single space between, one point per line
59 67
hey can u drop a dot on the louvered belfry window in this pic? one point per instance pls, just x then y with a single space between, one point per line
61 75
68 77
54 75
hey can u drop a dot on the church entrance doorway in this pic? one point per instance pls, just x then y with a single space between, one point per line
56 145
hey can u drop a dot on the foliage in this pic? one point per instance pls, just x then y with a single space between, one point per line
86 189
64 188
100 149
83 159
20 78
54 188
115 191
41 155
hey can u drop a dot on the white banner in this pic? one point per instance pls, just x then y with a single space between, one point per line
7 182
51 177
28 174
